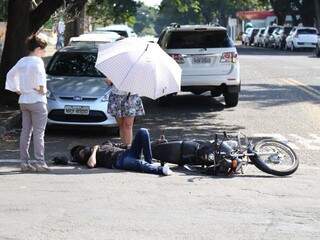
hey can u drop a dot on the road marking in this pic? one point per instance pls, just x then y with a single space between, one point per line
307 89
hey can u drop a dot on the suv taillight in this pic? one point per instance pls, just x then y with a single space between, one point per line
177 57
229 57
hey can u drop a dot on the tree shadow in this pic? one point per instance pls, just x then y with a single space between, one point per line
270 95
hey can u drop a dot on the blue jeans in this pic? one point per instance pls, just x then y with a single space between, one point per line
130 159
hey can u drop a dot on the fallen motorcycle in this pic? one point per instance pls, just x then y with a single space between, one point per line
228 156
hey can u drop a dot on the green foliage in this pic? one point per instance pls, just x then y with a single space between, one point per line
105 12
203 11
145 19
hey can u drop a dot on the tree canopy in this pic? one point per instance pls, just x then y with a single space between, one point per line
105 12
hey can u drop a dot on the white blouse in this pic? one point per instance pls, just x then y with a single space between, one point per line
28 73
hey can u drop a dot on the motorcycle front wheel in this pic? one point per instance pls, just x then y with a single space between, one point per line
275 158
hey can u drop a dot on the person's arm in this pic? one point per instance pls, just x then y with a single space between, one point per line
41 78
12 80
92 161
108 81
40 89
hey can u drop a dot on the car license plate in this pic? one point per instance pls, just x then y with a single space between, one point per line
201 60
76 110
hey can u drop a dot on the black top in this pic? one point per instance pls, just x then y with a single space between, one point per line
107 155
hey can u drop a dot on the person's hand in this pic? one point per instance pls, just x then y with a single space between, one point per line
40 90
92 161
108 81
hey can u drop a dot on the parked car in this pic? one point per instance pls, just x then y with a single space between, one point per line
273 36
266 35
280 38
302 37
77 93
208 58
93 39
258 37
318 47
249 36
121 29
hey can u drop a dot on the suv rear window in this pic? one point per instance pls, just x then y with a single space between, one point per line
77 64
307 31
199 39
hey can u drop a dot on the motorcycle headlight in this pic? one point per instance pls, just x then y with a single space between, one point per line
50 95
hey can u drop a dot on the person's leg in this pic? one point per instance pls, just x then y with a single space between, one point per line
133 164
127 130
141 142
25 137
120 124
39 122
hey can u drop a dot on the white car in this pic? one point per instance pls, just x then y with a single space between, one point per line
302 37
258 37
208 58
77 93
93 39
249 36
121 29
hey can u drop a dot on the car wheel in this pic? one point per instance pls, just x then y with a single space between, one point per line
231 99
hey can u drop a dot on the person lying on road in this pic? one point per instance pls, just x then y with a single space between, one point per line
111 155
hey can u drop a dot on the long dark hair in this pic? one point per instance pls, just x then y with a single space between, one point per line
75 153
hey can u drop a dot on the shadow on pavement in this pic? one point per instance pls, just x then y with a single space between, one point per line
270 95
244 50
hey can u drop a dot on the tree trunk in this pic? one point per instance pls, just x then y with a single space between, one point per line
307 12
23 22
14 46
317 11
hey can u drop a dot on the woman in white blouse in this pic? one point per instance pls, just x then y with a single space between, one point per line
28 79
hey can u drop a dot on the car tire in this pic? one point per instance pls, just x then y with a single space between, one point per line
231 99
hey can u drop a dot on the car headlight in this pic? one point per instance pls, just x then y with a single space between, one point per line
50 95
105 98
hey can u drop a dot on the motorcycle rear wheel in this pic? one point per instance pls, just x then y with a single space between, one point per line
275 157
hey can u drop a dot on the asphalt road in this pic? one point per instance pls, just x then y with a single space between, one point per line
280 98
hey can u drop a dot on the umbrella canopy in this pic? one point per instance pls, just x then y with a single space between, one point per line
139 67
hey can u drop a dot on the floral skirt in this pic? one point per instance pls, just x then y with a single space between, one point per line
124 106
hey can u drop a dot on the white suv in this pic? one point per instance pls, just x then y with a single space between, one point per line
208 58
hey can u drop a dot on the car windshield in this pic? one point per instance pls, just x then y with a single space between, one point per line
77 64
120 32
307 31
199 39
271 29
